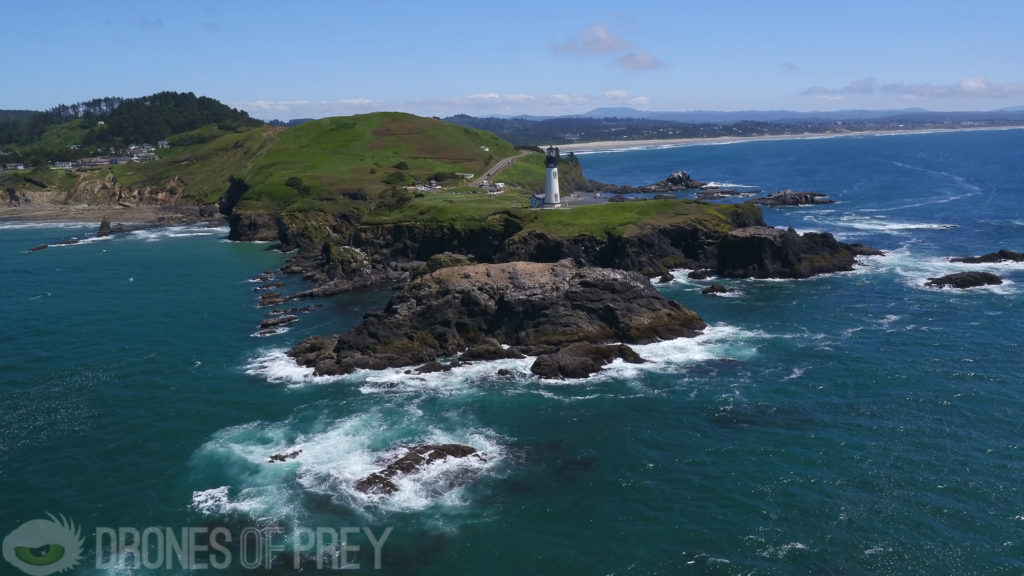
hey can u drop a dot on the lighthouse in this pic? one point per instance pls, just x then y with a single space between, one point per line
551 199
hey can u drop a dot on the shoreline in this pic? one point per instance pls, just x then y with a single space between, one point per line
627 145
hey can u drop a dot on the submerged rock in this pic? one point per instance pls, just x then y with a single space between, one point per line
414 459
791 198
715 289
992 258
964 280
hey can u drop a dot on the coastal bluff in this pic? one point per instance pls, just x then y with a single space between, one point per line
532 308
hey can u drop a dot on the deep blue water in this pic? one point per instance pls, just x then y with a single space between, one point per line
858 423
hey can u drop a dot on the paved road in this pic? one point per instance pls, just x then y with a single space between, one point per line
498 167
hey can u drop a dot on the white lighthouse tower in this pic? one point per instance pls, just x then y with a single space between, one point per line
551 199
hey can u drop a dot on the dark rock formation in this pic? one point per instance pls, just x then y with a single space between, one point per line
791 198
675 182
271 299
535 307
278 321
992 258
701 274
762 252
283 456
488 349
715 289
104 228
581 360
964 280
416 458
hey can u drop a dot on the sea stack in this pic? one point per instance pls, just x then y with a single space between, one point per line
551 198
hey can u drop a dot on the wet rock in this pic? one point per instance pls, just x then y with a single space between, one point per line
278 321
791 198
582 360
992 258
282 457
527 305
414 459
964 280
715 289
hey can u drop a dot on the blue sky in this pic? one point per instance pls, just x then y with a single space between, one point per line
321 58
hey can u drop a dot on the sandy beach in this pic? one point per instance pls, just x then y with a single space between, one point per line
608 145
46 212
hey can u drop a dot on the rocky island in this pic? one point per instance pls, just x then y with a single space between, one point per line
556 311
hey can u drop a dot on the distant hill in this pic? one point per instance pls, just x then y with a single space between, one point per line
93 127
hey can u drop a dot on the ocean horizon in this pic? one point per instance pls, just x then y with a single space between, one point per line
851 423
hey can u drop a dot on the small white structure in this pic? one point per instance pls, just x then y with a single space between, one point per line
551 198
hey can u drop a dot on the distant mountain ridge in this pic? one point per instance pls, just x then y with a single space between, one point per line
731 117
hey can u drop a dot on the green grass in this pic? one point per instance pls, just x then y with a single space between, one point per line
625 218
450 207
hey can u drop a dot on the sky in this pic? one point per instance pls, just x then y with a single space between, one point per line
312 59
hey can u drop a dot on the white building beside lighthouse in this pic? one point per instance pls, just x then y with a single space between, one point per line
551 198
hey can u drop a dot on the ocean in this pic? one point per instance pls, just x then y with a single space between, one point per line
856 423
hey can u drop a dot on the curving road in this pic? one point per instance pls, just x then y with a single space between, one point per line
498 167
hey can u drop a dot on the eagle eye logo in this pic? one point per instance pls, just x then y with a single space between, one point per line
44 547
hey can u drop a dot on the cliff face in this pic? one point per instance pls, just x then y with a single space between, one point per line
762 252
651 249
535 307
99 189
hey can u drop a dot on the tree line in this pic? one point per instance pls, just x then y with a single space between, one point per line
115 121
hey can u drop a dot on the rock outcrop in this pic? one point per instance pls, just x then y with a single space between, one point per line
992 258
415 458
791 198
762 252
538 308
675 182
581 360
964 280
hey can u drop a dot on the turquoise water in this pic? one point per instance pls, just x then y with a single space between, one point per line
858 423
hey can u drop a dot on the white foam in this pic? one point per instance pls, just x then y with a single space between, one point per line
279 368
727 185
264 333
21 225
861 225
715 342
332 457
188 231
916 270
458 379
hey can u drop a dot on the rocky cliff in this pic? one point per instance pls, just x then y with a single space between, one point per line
762 252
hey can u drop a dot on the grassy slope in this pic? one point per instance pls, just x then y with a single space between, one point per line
352 156
342 160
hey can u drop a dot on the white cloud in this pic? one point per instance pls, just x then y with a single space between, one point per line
621 96
639 61
596 39
600 40
970 87
865 85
